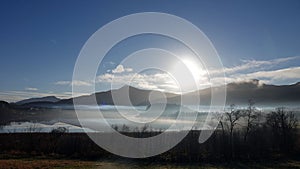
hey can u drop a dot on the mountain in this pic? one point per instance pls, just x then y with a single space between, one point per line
237 93
136 96
262 94
47 99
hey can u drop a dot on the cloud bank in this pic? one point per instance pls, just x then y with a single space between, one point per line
267 71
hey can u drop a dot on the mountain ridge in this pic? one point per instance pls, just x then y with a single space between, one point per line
50 99
237 93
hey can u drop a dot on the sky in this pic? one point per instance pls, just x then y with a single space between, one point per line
41 40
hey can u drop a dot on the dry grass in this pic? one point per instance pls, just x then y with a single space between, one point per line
44 164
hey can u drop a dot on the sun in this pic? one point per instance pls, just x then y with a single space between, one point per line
195 68
189 74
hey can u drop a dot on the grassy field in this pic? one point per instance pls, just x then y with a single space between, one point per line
77 164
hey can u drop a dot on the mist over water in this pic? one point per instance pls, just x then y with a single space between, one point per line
115 119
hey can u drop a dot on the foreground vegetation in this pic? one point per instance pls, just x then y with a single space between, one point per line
43 163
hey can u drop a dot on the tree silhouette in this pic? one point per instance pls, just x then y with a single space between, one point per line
251 115
232 117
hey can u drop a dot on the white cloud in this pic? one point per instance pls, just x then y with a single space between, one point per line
248 69
253 65
157 81
81 83
75 83
280 74
121 69
31 89
265 71
63 83
277 77
251 69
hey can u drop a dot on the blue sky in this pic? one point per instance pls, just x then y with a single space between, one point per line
40 40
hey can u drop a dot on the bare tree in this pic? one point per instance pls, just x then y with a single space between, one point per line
220 118
115 127
232 117
34 128
283 125
251 115
60 130
125 128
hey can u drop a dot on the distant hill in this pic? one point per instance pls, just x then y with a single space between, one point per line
4 104
50 99
6 112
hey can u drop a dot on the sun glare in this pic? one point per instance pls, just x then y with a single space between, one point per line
195 69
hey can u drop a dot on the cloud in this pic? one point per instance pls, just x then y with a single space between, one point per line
81 83
245 72
156 81
252 65
251 69
267 71
275 75
248 70
75 83
31 89
63 83
121 69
